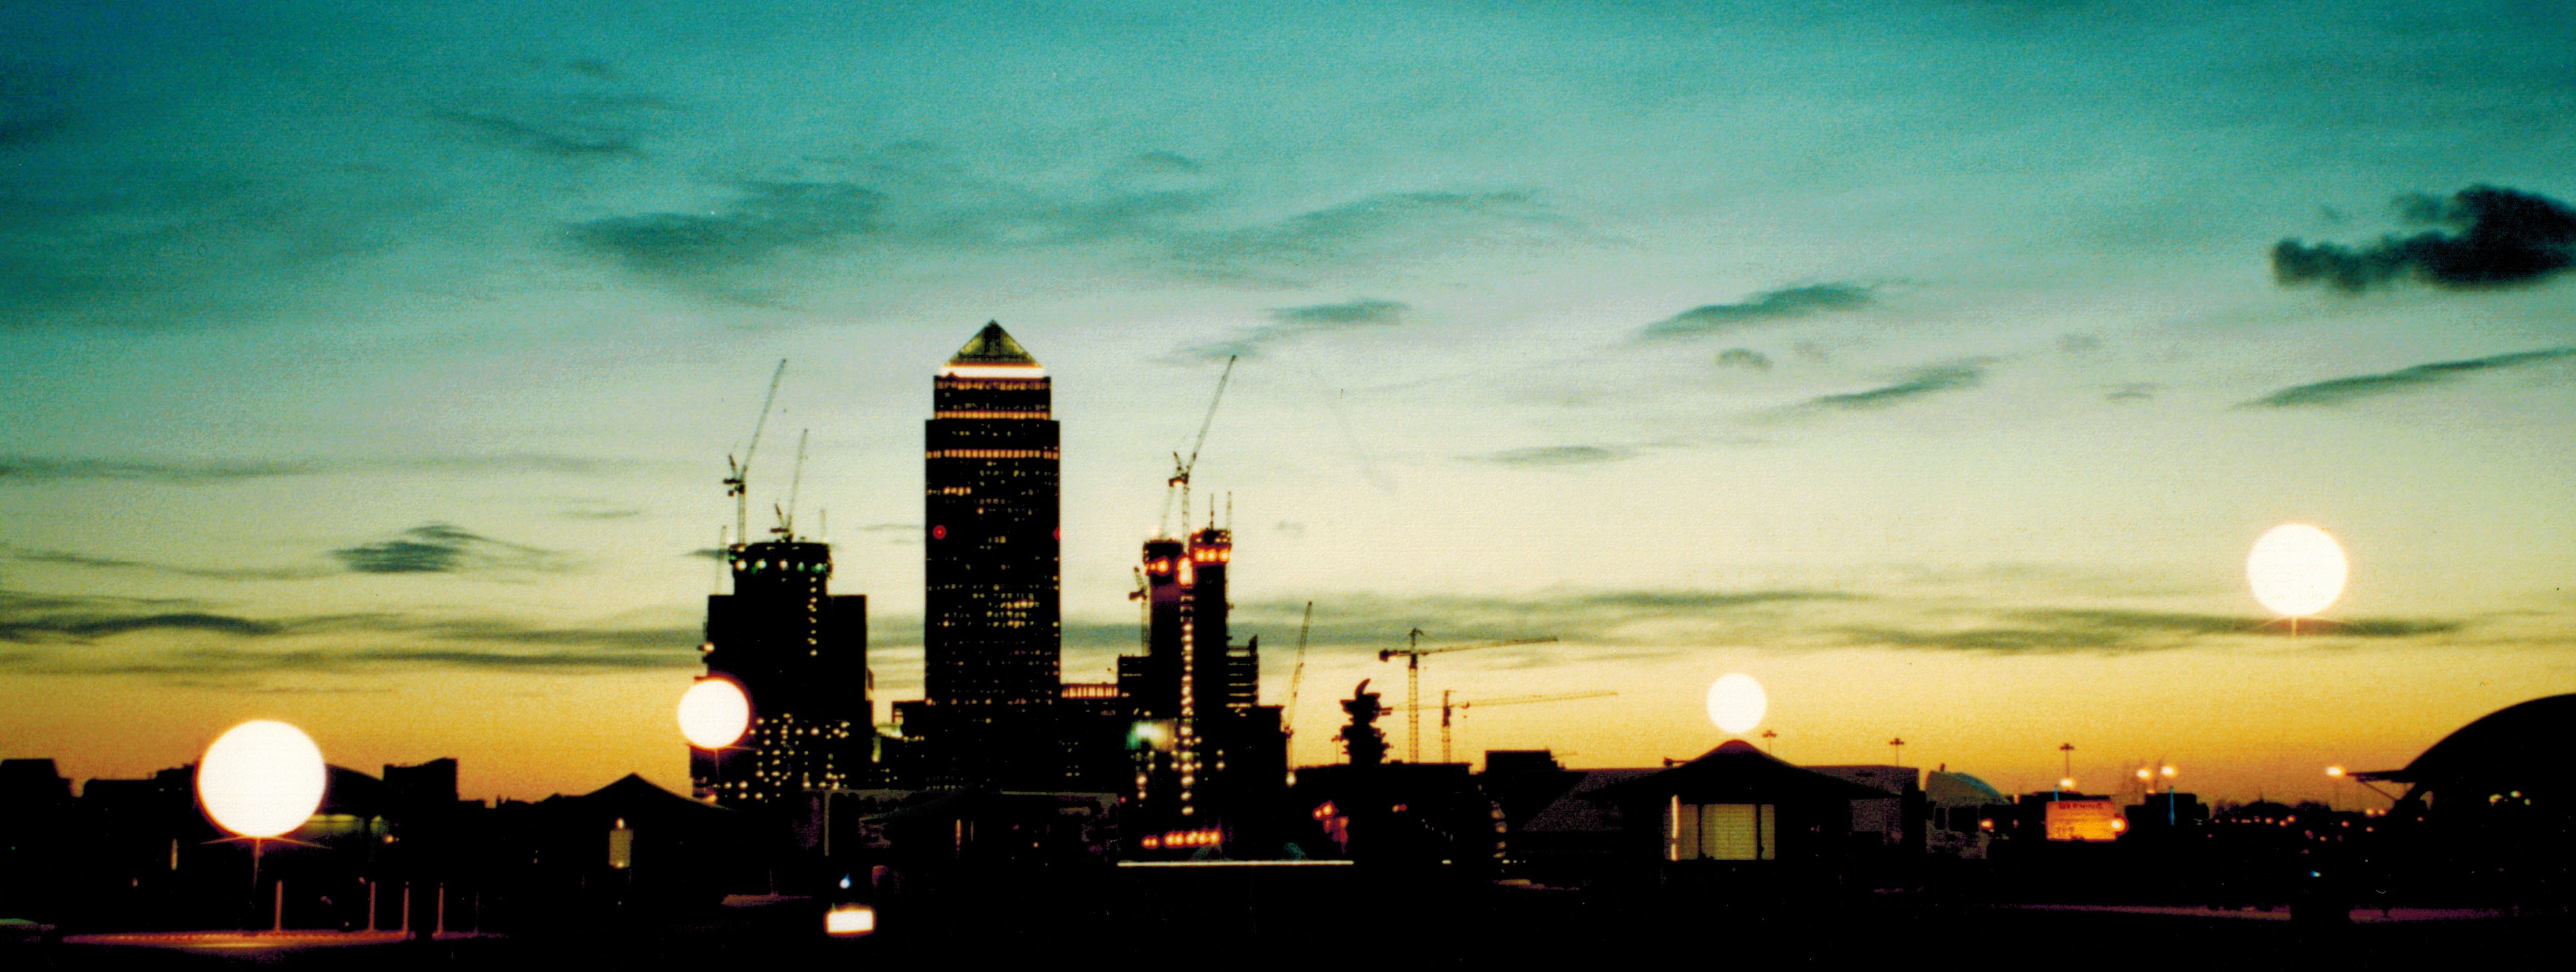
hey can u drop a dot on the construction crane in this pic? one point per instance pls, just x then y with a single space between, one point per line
737 485
1446 707
1297 676
786 528
1180 480
1413 652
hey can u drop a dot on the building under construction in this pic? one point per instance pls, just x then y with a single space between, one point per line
1206 757
800 654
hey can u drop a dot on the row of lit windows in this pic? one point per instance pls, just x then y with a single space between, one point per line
989 414
993 454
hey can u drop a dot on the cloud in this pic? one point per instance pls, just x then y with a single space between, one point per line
37 469
65 558
2503 237
765 219
2342 391
440 548
1653 619
573 141
2061 631
1771 305
1746 358
1291 323
1929 381
2136 391
105 628
1563 455
1383 227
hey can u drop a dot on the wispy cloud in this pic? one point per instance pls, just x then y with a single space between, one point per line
2060 631
185 472
440 548
1745 358
1290 323
1771 305
1923 383
2341 391
1387 226
2502 237
68 559
1559 455
113 637
763 220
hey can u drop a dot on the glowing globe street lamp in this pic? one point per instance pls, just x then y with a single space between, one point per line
1736 703
714 714
2296 571
261 780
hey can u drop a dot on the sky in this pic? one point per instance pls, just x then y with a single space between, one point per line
1937 364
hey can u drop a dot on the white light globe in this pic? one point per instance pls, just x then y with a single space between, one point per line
1736 703
2296 570
714 713
261 779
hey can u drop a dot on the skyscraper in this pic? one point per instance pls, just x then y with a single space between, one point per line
1206 754
800 654
992 625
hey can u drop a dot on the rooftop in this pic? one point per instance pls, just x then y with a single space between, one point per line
992 354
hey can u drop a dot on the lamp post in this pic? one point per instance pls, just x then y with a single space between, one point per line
261 780
2066 777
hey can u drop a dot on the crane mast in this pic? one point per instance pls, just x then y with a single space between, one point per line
1297 676
1181 467
1446 707
737 485
1413 652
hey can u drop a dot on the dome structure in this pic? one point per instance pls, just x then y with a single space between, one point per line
2493 756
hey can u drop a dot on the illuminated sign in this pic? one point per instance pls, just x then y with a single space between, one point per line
2084 820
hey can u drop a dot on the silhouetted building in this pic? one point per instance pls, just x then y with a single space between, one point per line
991 635
800 654
1207 753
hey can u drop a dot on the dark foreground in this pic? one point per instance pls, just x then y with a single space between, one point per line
1339 918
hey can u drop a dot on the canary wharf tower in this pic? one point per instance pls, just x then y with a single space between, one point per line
992 630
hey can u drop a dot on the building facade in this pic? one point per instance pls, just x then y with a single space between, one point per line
800 654
992 625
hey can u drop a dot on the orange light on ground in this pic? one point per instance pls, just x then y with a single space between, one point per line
2296 570
1736 703
714 713
261 779
850 921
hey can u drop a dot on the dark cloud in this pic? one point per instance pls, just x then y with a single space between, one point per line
1746 358
2132 392
100 625
1290 323
765 219
440 548
2499 237
1563 455
68 559
556 141
1770 305
2060 631
1929 381
2342 391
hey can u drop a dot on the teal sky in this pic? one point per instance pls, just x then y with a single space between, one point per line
1933 362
